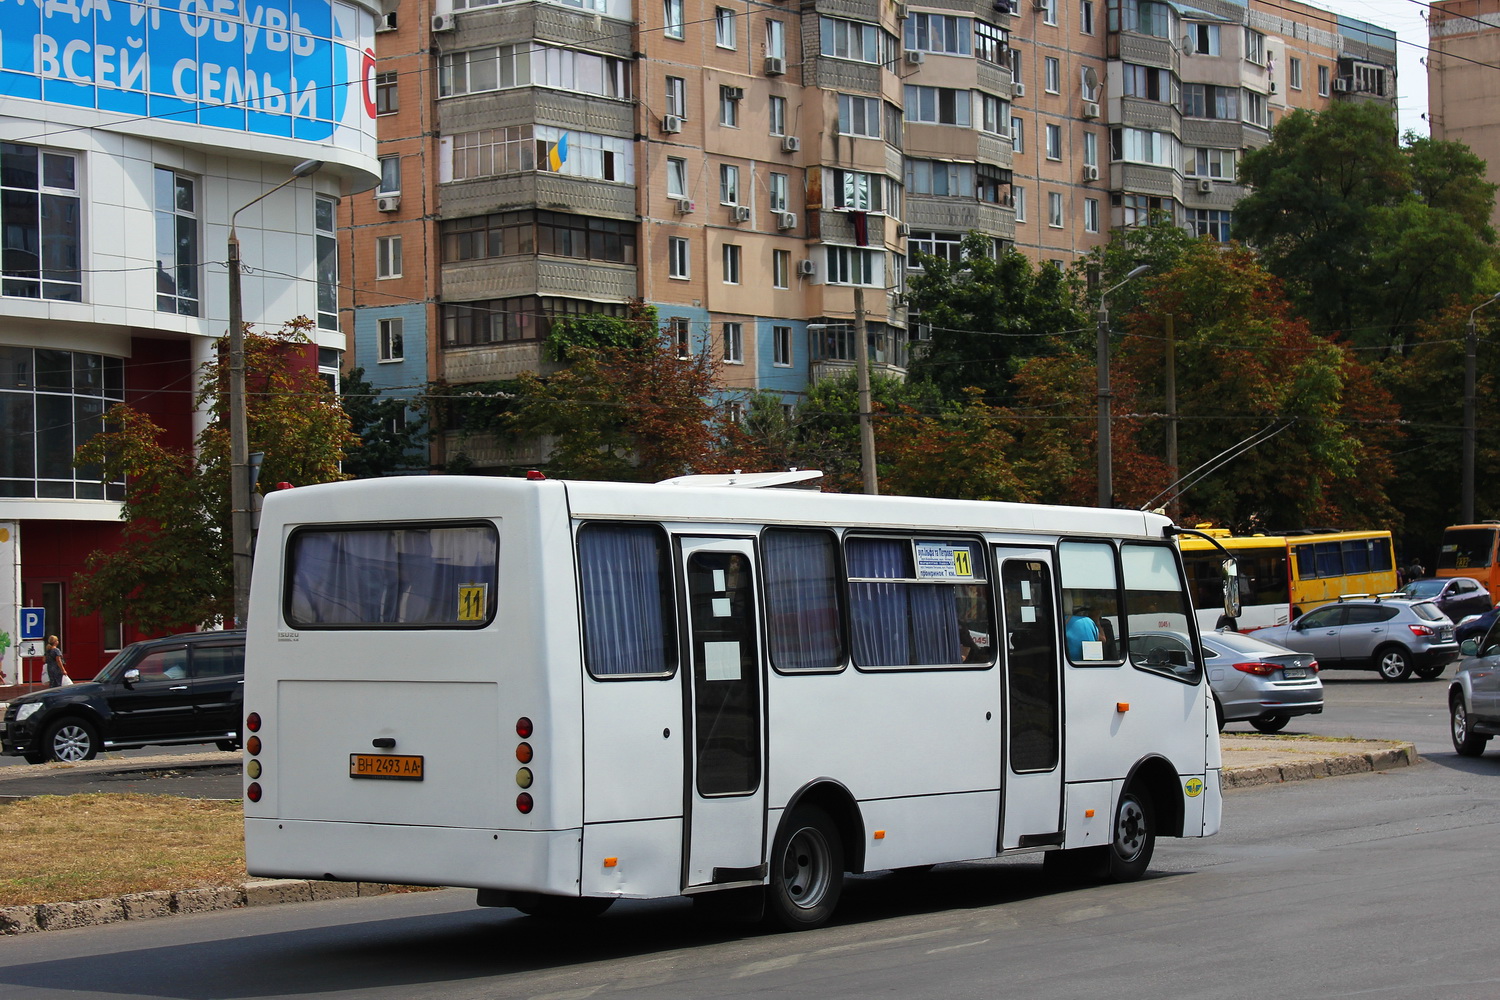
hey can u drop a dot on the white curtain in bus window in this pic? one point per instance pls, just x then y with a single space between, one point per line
361 577
802 600
1091 601
901 618
1157 611
626 585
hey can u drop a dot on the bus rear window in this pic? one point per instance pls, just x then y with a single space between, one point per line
393 577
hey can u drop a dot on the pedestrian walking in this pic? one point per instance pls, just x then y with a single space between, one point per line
57 667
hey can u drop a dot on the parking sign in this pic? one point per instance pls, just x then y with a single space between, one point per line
33 624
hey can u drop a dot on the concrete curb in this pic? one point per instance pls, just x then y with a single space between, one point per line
29 919
1393 755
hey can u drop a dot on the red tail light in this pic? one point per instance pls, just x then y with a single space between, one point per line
1258 668
1421 630
1313 667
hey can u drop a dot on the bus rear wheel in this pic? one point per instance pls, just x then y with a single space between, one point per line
807 870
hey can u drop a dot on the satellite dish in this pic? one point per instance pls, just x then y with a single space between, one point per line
1187 44
1090 79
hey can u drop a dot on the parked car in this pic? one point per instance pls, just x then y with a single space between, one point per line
1259 681
181 689
1474 626
1474 695
1457 596
1392 635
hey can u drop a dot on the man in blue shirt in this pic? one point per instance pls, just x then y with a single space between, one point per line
1079 629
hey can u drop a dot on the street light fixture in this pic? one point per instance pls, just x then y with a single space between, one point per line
1471 350
1106 456
239 434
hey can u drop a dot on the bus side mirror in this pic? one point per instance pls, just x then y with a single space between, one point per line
1231 571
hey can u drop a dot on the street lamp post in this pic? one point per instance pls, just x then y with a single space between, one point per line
239 434
1471 350
1101 362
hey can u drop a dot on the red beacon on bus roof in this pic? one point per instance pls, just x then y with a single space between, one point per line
535 475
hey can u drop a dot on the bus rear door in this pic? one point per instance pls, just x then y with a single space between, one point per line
726 796
1032 806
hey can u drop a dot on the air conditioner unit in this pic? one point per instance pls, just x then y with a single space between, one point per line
444 22
1091 173
902 229
734 93
786 220
389 203
742 213
1273 88
915 58
671 124
1205 186
386 22
901 12
790 144
1038 4
1341 85
775 66
1091 109
685 206
1018 90
807 267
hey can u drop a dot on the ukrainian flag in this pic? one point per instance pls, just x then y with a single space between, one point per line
559 154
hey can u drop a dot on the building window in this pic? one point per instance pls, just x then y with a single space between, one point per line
519 148
724 28
1142 210
1200 100
672 19
1322 81
948 246
1054 142
51 403
854 190
1049 11
1255 47
328 263
781 346
391 348
729 106
991 44
1141 146
775 39
940 178
778 191
1294 73
937 105
781 268
525 317
734 343
857 41
859 116
1146 17
1017 134
1090 149
1209 222
177 249
1086 16
681 337
677 258
1146 82
778 115
1205 39
677 97
676 177
1215 163
1015 64
940 33
390 175
1255 109
1054 209
729 184
1052 70
731 264
41 215
528 64
528 233
852 266
387 97
388 257
1018 196
1091 215
994 113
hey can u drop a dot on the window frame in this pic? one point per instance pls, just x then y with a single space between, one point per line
679 258
390 344
388 262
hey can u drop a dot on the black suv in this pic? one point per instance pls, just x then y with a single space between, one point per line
181 689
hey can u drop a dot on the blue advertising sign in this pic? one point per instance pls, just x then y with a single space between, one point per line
33 624
294 68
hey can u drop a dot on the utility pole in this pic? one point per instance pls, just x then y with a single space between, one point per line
1171 402
862 376
1101 363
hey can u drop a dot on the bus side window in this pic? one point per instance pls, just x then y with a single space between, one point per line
1157 611
1091 602
625 582
804 590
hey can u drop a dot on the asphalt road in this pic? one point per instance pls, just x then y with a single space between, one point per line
1369 886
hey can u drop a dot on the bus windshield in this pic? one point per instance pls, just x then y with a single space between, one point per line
1466 548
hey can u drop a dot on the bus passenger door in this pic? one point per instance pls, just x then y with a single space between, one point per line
1031 806
725 800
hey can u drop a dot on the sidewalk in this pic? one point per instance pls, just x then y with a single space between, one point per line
1249 760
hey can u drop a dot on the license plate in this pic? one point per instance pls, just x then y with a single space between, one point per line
1293 673
385 765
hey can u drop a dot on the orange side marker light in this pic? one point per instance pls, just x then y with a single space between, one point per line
1122 706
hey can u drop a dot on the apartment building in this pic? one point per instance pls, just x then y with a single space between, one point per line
1463 88
130 135
761 171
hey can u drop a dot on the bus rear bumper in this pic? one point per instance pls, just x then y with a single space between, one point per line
530 861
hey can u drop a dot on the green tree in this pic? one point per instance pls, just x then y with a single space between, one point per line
961 453
172 569
390 430
826 431
1369 236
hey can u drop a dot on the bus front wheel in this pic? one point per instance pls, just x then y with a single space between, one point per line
1134 838
807 870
